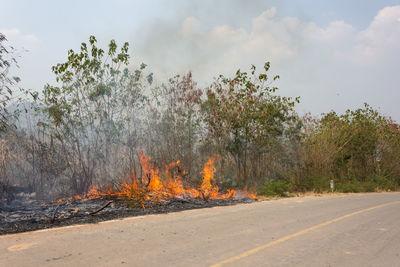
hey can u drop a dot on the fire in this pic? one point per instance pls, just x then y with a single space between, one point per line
206 188
151 173
156 186
93 193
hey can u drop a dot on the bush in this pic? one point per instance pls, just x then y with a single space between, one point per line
357 187
385 183
315 183
276 188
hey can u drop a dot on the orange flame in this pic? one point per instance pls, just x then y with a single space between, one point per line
152 188
206 188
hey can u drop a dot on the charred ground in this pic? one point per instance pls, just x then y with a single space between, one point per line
26 214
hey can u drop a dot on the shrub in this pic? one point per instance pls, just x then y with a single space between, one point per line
356 187
276 188
385 183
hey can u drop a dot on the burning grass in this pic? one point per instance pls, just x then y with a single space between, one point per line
156 191
152 187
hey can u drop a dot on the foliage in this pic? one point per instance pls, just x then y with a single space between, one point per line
7 83
245 117
275 188
100 114
356 150
93 110
174 123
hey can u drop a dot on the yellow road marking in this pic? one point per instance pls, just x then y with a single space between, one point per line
302 232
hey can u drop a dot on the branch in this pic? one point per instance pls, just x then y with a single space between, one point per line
52 219
101 208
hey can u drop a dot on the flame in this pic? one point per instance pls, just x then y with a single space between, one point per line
93 193
151 187
206 188
151 174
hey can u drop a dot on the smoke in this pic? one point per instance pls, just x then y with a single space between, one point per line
336 66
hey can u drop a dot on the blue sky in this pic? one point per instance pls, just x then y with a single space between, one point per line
334 54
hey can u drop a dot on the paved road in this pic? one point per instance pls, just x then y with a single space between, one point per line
351 230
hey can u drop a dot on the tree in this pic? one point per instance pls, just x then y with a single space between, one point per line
93 111
175 121
245 117
358 149
7 61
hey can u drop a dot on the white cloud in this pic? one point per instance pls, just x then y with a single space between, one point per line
17 38
380 41
333 67
336 31
276 39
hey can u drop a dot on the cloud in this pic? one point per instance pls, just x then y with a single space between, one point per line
380 41
224 48
331 67
189 27
17 38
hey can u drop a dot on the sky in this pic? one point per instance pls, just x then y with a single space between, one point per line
335 55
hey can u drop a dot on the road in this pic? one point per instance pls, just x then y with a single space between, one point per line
347 230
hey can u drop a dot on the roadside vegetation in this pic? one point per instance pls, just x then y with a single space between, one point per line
91 125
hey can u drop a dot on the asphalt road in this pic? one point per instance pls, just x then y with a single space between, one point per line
350 230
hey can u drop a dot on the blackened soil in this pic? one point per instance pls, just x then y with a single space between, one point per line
35 215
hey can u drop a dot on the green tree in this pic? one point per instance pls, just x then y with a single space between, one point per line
245 117
357 149
93 111
7 83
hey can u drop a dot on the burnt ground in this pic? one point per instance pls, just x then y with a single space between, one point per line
25 214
